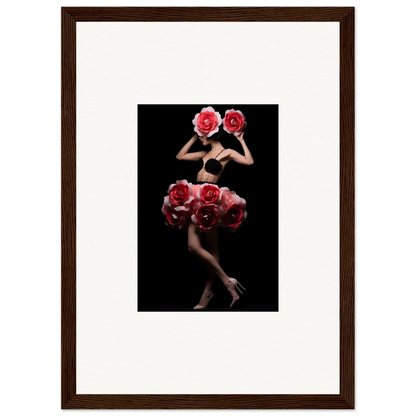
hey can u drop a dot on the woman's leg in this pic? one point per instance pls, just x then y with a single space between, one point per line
212 247
195 247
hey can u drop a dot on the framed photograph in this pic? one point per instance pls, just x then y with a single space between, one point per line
208 208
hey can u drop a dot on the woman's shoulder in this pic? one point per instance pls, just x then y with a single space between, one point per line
228 152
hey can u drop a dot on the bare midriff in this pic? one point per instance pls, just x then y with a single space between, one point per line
204 176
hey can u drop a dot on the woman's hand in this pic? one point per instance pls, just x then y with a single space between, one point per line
240 137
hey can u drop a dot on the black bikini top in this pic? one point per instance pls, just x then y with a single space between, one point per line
212 165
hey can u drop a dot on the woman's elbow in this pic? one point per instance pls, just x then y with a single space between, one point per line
178 157
251 163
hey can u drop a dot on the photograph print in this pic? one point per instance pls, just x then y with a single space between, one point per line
208 207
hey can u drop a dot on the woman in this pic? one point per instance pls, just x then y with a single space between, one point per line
206 205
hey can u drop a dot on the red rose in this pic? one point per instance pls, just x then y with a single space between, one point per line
234 217
177 219
232 210
206 216
180 192
207 122
234 122
209 193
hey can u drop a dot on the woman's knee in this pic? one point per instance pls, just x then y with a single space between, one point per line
193 249
214 252
216 257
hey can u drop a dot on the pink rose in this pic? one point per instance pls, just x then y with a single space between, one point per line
234 122
232 212
180 193
206 217
207 122
176 216
209 194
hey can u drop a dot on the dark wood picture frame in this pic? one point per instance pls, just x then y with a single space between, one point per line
69 398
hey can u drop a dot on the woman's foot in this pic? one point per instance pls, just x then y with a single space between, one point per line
207 295
232 286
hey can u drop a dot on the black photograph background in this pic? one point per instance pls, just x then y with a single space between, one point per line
170 278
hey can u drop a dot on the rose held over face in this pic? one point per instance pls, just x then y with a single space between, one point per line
234 122
207 122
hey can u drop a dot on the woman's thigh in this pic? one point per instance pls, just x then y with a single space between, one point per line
194 237
212 241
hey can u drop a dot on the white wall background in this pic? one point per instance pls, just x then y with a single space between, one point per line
293 64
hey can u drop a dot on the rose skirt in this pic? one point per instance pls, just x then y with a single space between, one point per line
206 205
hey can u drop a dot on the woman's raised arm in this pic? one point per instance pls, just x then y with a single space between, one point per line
183 153
247 159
